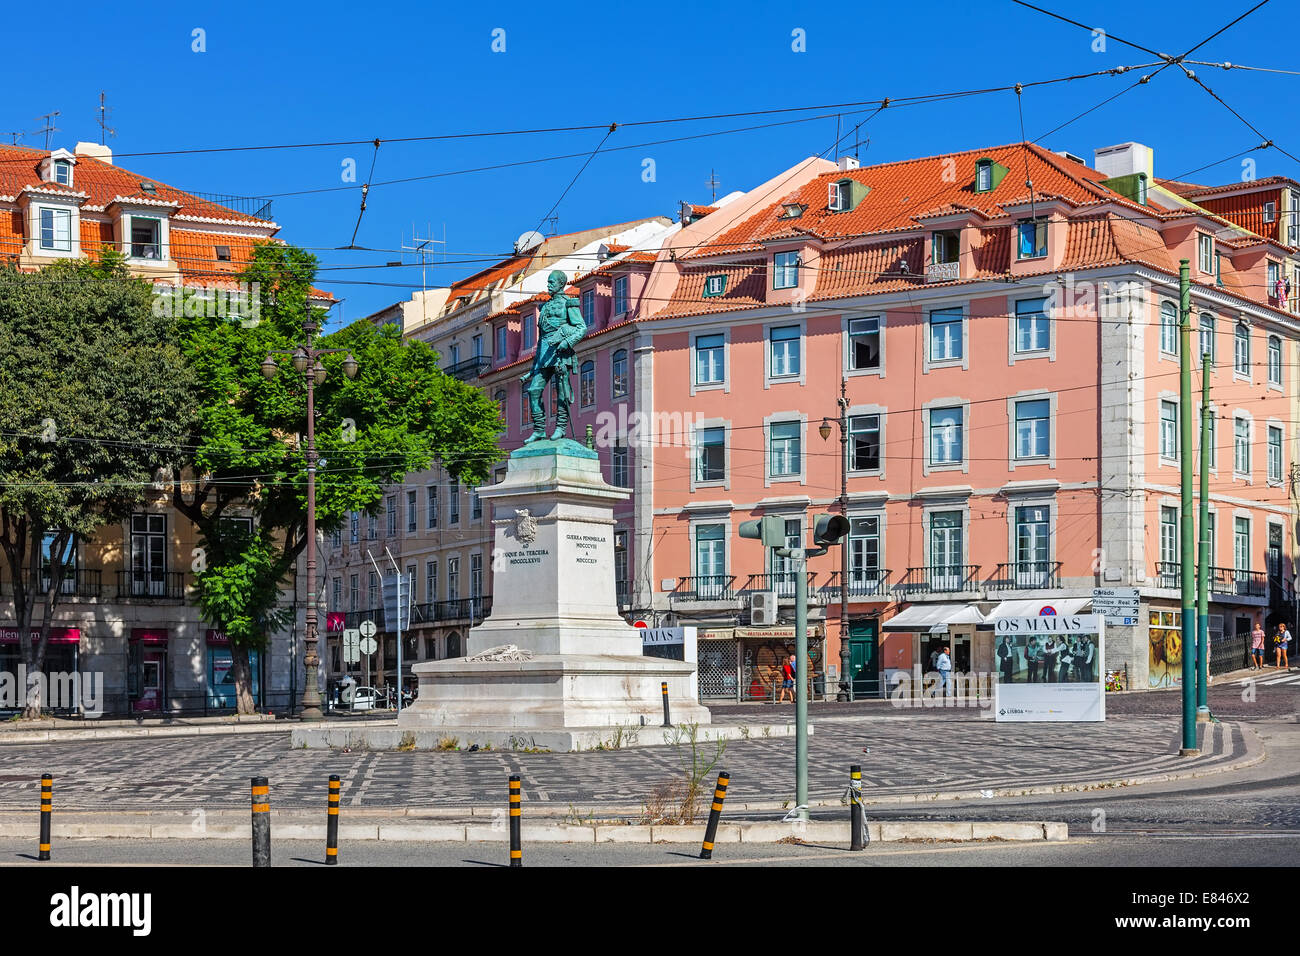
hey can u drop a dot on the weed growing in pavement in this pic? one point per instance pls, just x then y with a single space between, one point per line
448 743
407 742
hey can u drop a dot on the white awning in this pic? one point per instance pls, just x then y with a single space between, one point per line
1062 606
934 618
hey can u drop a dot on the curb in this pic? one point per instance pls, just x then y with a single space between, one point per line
807 832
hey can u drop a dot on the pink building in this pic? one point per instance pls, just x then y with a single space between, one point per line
1008 359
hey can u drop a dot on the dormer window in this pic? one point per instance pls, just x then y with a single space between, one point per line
1031 239
63 172
844 194
56 230
1205 253
1270 212
715 285
785 270
1142 189
145 238
223 253
792 210
988 174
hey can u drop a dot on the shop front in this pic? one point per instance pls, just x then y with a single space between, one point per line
914 639
745 663
221 677
62 655
146 673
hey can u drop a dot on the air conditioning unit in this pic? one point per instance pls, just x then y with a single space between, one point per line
762 608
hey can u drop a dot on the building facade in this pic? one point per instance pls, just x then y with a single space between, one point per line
127 610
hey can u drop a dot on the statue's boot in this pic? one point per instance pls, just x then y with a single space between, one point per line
561 423
539 418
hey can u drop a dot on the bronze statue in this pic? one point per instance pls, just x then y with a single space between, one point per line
559 329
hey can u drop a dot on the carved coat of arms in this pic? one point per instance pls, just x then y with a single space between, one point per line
525 526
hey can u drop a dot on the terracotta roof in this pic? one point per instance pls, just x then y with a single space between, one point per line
902 191
1190 189
697 211
103 182
611 265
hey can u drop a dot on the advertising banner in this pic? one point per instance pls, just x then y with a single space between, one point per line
1050 669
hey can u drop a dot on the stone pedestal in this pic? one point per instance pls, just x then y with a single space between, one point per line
553 596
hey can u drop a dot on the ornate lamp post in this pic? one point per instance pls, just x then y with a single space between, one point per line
306 362
845 692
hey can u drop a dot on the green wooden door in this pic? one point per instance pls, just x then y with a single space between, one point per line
864 663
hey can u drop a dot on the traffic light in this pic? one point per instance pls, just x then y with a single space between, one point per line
828 529
770 530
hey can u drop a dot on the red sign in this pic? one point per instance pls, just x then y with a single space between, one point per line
1047 611
58 635
334 621
218 638
147 635
640 624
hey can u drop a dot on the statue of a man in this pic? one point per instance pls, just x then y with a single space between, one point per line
559 329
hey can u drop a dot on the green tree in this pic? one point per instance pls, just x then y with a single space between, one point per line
94 406
399 415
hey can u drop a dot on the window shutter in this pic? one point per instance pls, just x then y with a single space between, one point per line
833 196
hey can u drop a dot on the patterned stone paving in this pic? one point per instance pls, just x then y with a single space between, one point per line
906 756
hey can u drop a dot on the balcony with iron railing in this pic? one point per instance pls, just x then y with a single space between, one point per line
623 594
784 583
147 584
79 583
941 579
863 583
469 368
1223 582
459 611
704 588
1025 575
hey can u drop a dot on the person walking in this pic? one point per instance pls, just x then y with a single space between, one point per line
943 664
787 680
1257 646
1281 642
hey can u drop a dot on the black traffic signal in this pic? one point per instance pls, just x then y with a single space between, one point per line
828 529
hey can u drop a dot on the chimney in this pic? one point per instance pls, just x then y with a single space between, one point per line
848 162
1124 159
95 151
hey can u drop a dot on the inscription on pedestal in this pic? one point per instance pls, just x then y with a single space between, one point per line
587 546
531 556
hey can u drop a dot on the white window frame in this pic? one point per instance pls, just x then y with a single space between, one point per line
724 384
847 324
768 378
696 446
1270 352
1273 427
785 418
1237 446
614 393
785 266
1168 432
1014 460
1240 361
928 465
1201 338
1205 253
1168 340
621 295
1036 222
1014 352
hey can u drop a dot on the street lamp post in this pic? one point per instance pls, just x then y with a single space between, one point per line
306 361
845 692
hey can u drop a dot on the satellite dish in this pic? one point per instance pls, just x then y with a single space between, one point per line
529 240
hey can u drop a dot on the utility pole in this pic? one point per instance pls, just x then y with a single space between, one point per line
1203 562
1186 529
846 657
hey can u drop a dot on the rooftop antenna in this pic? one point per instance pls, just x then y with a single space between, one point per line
713 183
552 224
48 126
104 129
423 249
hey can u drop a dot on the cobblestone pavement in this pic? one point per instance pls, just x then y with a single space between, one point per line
922 755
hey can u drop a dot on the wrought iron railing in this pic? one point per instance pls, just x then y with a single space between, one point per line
145 583
863 582
469 368
1018 575
783 583
941 579
705 587
82 582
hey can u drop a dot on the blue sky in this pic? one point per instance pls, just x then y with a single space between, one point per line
329 71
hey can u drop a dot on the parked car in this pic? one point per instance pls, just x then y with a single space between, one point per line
366 698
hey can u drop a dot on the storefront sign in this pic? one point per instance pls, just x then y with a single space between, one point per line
144 635
1050 669
58 635
774 633
655 636
217 639
334 622
1072 624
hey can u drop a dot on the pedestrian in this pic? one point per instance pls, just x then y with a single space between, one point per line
787 680
943 664
1257 646
1033 657
1281 642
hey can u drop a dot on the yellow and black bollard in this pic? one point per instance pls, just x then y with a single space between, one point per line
856 824
47 808
715 813
261 822
516 848
332 823
663 686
